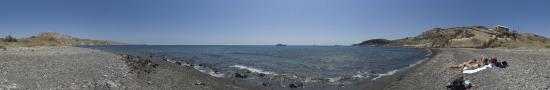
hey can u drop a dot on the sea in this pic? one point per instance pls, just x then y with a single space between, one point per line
280 66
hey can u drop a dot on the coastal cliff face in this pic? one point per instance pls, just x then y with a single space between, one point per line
468 37
57 39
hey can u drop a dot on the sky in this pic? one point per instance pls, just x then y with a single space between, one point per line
263 22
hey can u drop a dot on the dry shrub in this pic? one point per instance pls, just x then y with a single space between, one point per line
32 43
513 46
2 45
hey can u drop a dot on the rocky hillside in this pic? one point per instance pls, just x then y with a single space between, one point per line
469 37
57 39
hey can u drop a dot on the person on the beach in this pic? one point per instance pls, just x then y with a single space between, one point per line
474 63
484 60
493 60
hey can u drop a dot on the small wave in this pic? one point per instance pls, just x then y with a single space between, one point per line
334 79
166 58
197 67
386 74
253 69
208 71
410 66
429 52
360 75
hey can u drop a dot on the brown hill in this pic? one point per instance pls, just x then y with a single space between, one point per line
471 37
57 39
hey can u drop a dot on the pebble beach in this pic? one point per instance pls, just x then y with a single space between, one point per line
81 68
528 70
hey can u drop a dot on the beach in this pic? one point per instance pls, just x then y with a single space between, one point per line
528 70
82 68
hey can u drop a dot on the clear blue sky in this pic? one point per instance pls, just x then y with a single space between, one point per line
267 22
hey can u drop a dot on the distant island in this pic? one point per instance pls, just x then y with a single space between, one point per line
466 37
280 44
51 39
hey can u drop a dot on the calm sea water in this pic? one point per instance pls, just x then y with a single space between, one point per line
307 64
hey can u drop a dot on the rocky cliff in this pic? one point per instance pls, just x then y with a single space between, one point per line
470 37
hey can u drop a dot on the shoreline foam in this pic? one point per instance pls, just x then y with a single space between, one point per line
253 69
428 57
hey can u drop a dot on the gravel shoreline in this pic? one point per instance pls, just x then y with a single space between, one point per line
82 68
528 70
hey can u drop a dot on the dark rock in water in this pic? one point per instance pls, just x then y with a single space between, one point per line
200 83
372 72
266 84
296 85
125 56
155 65
165 58
241 75
340 85
244 71
261 75
179 63
547 77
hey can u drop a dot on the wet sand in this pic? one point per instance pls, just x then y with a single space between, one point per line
528 70
81 68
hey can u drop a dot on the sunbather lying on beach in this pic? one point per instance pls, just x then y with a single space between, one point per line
474 63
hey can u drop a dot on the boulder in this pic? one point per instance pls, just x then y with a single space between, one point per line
296 85
241 75
266 84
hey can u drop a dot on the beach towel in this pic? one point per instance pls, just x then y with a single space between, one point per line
474 70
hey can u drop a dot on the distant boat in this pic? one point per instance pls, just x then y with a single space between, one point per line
280 45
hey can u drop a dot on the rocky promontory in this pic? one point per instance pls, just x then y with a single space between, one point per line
467 37
51 39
